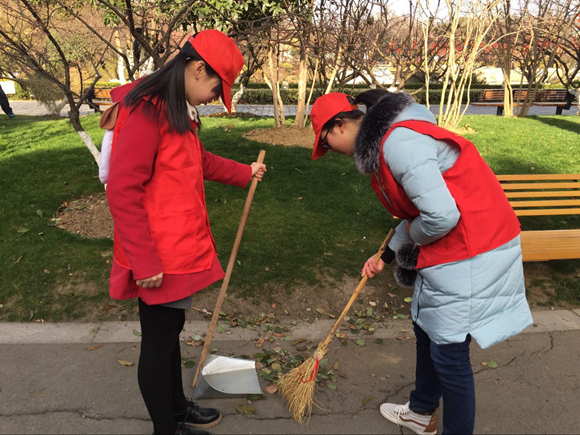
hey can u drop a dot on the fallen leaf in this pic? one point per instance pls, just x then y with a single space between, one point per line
336 366
189 364
360 342
372 304
331 386
392 295
272 388
95 347
274 306
137 333
367 399
244 409
408 300
125 363
492 364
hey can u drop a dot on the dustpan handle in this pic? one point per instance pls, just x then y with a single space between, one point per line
226 281
358 289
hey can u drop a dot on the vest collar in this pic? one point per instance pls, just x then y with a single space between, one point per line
192 110
376 122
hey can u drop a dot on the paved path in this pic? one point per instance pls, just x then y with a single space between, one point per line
34 109
51 383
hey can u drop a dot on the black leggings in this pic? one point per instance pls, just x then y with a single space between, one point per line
159 370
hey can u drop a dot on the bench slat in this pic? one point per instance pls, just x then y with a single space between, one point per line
539 177
538 186
547 194
548 212
560 203
550 245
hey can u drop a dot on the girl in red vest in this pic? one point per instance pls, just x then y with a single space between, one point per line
460 231
163 249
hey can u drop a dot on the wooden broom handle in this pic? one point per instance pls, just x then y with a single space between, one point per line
358 289
226 281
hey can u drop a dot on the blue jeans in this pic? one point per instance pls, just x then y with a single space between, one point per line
445 370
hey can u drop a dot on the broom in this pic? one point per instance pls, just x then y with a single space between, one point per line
297 386
229 269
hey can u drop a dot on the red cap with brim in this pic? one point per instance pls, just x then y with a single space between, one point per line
221 53
323 110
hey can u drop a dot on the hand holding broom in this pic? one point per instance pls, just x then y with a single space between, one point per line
297 386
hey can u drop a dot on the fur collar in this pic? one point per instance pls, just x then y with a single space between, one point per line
377 121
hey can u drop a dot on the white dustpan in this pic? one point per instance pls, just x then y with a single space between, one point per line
223 376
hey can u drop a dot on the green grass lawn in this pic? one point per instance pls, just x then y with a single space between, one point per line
308 220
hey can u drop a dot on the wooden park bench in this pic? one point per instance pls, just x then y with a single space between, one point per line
494 97
560 98
545 195
101 97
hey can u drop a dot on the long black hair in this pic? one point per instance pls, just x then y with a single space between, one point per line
368 98
166 89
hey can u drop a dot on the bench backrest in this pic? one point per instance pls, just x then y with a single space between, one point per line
103 93
520 95
553 95
496 95
542 194
491 95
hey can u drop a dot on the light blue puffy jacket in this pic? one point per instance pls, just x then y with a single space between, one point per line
483 296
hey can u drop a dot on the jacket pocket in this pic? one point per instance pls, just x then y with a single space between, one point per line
176 235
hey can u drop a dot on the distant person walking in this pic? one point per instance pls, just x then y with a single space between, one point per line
5 104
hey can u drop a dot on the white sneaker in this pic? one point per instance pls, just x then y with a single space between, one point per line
403 416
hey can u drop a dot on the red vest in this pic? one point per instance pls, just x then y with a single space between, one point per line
175 203
487 219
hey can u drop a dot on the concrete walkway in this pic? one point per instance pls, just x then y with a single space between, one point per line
52 382
32 108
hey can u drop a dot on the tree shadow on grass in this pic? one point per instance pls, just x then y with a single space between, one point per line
561 123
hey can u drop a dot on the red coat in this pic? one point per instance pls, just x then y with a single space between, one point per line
158 203
487 219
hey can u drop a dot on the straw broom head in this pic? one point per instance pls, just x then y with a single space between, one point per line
297 386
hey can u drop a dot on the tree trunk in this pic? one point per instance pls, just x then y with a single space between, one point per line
237 96
310 94
74 117
302 77
333 73
273 86
120 61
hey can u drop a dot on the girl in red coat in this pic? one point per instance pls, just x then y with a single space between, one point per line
163 250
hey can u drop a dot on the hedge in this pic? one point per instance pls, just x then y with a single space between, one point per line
290 96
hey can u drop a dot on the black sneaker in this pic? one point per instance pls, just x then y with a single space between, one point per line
183 429
195 416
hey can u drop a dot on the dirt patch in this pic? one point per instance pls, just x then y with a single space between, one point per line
88 216
541 283
285 135
324 301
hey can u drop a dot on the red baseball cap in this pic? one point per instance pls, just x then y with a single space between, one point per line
223 55
323 110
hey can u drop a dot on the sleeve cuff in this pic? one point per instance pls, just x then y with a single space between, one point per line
388 256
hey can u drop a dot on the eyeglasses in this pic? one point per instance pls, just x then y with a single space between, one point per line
323 142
